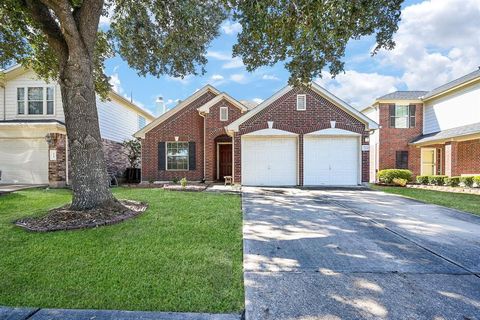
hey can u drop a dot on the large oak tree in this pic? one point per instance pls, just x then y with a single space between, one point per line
61 40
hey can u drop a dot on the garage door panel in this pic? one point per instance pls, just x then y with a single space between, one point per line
269 161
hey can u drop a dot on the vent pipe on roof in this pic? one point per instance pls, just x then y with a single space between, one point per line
160 106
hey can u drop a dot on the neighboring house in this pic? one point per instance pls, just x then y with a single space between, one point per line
435 132
296 137
33 145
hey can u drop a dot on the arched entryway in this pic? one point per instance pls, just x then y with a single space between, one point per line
223 157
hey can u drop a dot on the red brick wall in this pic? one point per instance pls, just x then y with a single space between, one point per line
187 124
57 168
397 139
468 157
318 115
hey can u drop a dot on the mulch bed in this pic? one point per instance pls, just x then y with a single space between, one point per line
65 219
192 187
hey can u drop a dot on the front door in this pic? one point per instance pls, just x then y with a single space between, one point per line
428 158
224 160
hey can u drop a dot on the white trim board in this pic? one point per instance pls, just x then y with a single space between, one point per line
223 96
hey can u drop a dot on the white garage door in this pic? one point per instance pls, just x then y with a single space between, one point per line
24 161
269 161
331 161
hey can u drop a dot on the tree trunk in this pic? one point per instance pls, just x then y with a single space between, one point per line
89 175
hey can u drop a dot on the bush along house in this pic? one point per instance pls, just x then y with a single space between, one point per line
299 136
430 133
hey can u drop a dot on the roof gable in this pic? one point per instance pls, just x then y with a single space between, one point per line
223 96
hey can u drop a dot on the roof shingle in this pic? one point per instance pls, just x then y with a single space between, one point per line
449 133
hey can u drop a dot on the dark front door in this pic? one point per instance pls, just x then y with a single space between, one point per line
224 160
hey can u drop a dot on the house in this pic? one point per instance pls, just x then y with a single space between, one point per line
33 145
430 133
299 136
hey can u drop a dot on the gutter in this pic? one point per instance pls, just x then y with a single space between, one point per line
4 104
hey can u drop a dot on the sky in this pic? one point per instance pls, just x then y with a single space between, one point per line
437 41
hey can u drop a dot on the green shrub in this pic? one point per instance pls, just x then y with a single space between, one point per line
467 181
437 180
476 180
387 175
422 179
183 182
452 181
175 180
400 182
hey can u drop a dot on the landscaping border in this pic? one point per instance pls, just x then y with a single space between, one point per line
475 191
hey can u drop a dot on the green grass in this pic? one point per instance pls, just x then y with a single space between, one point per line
183 254
459 201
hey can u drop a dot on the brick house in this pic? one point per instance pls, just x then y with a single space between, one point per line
296 137
430 133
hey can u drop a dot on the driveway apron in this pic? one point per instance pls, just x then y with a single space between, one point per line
351 254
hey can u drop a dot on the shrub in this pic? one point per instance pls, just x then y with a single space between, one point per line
452 181
476 180
387 175
437 180
422 179
467 181
400 182
175 180
183 182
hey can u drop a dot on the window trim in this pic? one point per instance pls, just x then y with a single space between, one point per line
166 155
44 101
304 96
226 112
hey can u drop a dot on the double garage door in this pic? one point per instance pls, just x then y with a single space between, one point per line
273 161
24 161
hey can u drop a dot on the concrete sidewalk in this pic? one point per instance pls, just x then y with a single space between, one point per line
7 313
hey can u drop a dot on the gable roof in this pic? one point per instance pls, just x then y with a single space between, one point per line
453 84
174 110
234 126
403 95
223 96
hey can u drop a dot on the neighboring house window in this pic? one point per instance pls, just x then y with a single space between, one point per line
177 155
401 161
301 102
402 116
223 113
35 100
141 122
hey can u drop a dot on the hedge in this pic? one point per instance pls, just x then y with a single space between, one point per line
452 181
476 180
387 175
437 180
422 179
467 181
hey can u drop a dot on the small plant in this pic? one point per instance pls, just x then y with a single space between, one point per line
476 180
452 181
184 182
437 180
387 175
175 180
422 180
467 181
400 182
151 181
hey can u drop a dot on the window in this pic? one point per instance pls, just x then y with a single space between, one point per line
223 113
401 161
35 100
141 122
402 116
301 102
177 155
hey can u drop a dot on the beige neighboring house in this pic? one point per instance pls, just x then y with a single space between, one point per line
33 145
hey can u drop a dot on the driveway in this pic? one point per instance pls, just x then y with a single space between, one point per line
352 254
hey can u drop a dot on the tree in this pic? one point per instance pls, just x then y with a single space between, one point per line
60 40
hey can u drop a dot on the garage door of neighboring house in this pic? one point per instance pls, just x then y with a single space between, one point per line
24 161
269 161
331 160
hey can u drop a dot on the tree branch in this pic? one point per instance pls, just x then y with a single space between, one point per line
88 18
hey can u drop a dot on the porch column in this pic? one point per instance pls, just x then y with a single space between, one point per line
451 159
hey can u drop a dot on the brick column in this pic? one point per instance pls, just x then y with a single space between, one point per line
300 160
237 158
451 159
57 167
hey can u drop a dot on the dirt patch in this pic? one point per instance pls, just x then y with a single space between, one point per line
65 219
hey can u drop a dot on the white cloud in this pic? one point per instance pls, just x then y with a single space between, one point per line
358 89
270 77
116 83
231 62
239 78
185 80
217 77
234 63
231 27
257 100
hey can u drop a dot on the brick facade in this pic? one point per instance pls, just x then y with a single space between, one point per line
115 157
467 157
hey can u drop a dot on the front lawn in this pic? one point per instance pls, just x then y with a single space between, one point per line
183 254
459 201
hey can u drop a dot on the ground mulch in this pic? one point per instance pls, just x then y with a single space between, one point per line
191 188
65 219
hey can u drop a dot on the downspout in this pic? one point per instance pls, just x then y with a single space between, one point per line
66 161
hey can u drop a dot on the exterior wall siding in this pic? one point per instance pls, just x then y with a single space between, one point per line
468 157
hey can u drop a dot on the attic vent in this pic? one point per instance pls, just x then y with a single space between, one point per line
301 102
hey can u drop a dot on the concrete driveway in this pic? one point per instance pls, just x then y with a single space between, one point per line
352 254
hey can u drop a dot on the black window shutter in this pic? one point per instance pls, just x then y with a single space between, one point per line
161 155
191 156
412 115
391 112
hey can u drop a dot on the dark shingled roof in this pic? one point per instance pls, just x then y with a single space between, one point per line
453 84
403 95
449 133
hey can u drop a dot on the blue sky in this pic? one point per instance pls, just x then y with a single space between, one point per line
433 46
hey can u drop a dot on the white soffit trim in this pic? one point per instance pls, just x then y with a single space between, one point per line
223 96
332 132
270 132
177 108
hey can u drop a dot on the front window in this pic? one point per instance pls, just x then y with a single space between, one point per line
35 100
402 116
177 155
401 160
